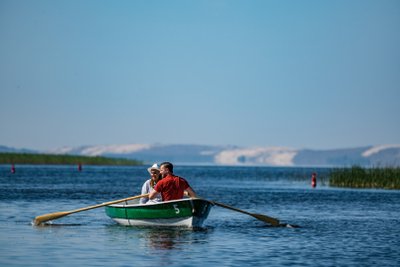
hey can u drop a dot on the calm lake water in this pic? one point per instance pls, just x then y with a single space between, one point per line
338 227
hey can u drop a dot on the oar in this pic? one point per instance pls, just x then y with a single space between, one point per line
56 215
261 217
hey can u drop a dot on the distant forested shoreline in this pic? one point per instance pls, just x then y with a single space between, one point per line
52 159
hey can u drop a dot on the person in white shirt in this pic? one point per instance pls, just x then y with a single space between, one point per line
148 186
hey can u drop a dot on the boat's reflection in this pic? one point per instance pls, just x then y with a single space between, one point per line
172 238
157 238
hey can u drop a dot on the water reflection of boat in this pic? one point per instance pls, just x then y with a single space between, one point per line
166 238
183 212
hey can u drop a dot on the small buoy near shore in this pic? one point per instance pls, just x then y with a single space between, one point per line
314 180
79 167
12 168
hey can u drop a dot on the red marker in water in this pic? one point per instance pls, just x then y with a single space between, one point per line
79 167
314 180
12 168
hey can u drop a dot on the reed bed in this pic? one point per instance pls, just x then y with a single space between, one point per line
359 177
27 158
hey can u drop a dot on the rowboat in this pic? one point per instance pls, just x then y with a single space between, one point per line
190 212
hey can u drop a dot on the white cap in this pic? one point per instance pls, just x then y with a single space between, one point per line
154 167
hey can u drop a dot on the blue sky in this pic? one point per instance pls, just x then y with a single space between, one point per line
300 74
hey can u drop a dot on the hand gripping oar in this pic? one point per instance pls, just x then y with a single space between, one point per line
56 215
261 217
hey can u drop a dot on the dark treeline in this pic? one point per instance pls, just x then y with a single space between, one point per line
26 158
358 177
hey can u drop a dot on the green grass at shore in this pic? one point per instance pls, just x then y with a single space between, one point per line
27 158
358 177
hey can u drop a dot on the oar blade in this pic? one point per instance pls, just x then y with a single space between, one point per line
267 219
48 217
53 216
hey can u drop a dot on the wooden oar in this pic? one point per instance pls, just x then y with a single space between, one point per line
56 215
261 217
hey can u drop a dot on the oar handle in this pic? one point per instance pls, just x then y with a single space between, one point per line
107 203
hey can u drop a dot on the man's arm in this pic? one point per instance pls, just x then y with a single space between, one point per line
153 194
191 192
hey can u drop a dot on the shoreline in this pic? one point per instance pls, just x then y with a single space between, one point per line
53 159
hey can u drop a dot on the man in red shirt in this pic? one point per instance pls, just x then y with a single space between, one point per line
171 186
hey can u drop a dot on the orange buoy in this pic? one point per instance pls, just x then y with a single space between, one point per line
314 180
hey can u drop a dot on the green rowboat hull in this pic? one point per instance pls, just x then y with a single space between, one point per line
182 212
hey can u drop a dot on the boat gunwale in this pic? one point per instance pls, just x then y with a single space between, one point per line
118 205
